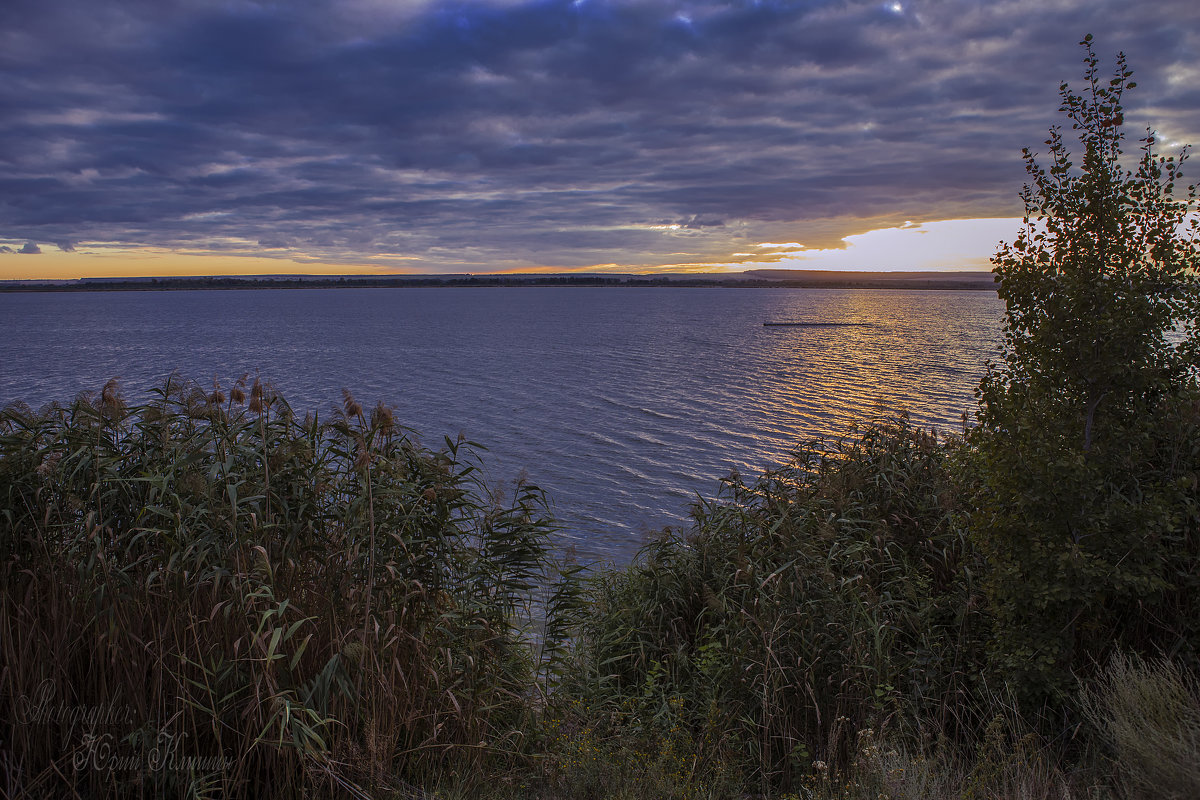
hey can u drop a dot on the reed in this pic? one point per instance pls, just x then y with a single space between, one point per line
830 595
205 598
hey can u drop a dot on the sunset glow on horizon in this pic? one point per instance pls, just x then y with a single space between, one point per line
944 245
150 262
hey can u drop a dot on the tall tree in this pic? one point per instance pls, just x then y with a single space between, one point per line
1088 427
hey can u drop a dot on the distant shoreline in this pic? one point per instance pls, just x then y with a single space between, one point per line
766 279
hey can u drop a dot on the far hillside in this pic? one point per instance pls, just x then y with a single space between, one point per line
878 280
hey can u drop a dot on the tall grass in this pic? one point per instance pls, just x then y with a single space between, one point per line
835 593
205 595
1148 712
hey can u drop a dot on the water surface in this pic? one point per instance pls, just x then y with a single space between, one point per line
621 403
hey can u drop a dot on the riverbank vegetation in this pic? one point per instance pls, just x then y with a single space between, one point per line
208 595
293 602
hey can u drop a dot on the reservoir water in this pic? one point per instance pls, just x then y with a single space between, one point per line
623 404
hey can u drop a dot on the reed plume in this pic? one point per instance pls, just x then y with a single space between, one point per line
238 393
256 396
112 404
382 419
217 396
350 406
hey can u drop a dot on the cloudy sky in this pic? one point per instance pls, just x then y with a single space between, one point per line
153 137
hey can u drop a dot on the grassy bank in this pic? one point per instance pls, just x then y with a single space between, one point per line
206 595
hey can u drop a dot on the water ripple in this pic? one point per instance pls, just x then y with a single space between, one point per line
621 404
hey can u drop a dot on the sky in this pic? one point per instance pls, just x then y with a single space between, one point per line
203 137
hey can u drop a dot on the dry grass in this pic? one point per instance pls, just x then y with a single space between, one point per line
1149 714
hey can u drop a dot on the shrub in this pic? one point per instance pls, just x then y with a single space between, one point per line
835 590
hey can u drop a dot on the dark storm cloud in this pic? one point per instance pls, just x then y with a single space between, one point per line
497 134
